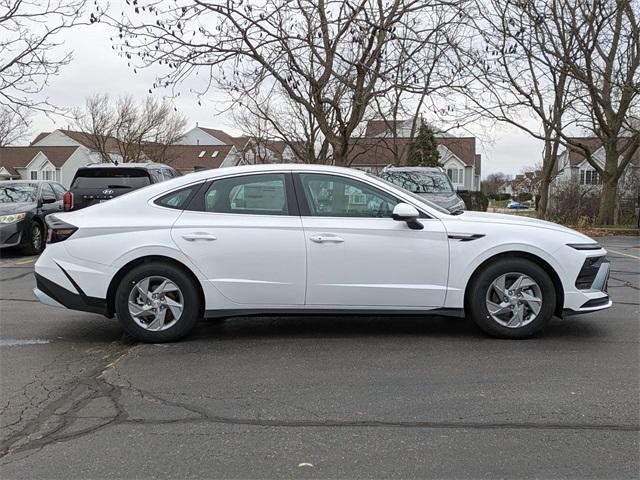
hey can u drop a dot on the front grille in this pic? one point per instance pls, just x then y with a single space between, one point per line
589 272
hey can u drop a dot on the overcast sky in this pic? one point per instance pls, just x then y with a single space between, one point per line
96 68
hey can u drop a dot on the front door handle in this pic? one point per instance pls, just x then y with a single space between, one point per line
326 238
193 237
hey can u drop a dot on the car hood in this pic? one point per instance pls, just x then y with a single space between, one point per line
444 200
518 220
9 208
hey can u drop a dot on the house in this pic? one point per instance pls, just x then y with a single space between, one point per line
58 163
189 158
526 183
379 146
52 155
572 165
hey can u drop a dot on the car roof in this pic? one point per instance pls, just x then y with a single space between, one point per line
35 182
414 169
272 167
127 165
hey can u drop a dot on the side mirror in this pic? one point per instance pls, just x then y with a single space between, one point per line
48 200
404 212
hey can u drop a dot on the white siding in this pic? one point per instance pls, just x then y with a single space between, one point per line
197 136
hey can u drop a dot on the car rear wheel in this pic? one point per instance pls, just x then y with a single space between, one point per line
35 245
512 298
157 303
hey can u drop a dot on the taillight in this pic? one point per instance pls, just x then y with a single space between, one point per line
67 201
58 230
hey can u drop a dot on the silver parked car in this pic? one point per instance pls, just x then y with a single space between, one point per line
431 183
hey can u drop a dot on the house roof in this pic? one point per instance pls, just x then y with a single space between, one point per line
379 151
224 137
39 137
190 157
593 144
88 139
376 127
19 157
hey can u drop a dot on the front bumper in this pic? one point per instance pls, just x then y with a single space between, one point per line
12 234
596 296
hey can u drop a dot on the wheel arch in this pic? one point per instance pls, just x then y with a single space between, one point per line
542 263
117 278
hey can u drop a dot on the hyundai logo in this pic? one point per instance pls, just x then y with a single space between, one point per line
107 192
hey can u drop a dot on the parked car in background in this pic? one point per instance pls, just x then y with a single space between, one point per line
100 182
517 205
431 183
24 204
289 239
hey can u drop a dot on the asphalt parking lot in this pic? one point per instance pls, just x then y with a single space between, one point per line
320 397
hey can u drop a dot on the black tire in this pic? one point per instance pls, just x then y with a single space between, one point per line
35 239
477 298
191 303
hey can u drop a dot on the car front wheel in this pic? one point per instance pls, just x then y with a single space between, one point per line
512 298
157 303
36 242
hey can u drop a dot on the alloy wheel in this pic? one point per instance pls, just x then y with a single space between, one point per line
514 300
36 237
155 303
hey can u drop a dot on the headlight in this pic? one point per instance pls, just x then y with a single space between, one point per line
12 218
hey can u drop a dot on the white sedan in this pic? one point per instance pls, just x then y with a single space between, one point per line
294 239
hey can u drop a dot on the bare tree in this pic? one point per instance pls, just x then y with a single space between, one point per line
330 57
124 131
601 44
518 79
14 127
29 49
495 183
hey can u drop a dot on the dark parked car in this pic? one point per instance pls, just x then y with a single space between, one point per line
432 183
101 182
23 206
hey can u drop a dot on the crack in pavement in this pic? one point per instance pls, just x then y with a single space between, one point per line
56 421
4 279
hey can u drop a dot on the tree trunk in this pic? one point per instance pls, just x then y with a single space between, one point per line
608 202
606 211
543 203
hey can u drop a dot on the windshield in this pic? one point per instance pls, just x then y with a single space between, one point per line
111 177
17 193
415 196
420 181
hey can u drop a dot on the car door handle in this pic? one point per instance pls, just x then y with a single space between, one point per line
193 237
325 238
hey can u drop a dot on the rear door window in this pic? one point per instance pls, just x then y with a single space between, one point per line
264 194
111 177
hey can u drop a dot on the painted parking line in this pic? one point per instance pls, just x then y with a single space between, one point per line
624 254
26 261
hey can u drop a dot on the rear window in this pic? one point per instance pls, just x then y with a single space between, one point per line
112 177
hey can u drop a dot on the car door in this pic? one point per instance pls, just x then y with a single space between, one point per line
245 235
357 255
49 201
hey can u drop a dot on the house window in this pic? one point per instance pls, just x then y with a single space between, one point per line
456 175
590 177
33 175
48 175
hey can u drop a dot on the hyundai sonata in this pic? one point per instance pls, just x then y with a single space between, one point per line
293 239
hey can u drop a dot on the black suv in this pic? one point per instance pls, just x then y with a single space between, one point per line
102 181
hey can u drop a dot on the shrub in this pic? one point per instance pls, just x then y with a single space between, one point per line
476 201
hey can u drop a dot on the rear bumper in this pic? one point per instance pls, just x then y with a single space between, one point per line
50 293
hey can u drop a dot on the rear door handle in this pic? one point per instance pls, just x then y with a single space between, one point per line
193 237
326 238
